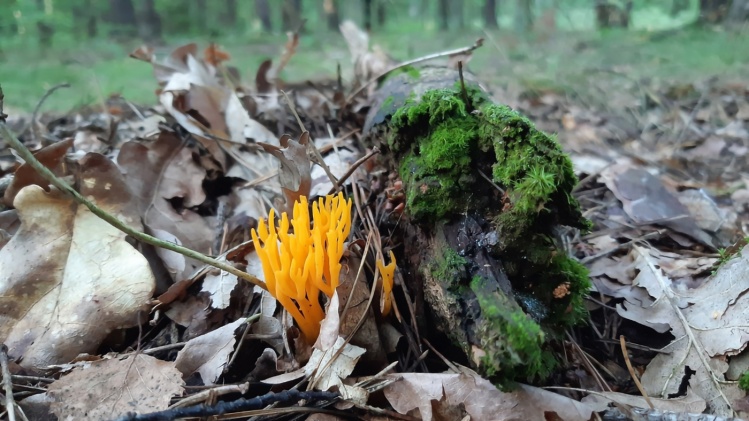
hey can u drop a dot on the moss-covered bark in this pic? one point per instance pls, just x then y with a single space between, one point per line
445 143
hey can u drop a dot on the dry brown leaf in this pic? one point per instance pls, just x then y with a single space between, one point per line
295 174
267 326
156 173
67 278
708 323
50 156
646 200
109 389
208 354
219 285
480 398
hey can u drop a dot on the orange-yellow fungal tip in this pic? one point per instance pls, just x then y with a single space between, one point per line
300 263
388 275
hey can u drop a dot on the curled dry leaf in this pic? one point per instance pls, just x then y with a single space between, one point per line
208 354
156 173
67 278
108 389
50 156
295 175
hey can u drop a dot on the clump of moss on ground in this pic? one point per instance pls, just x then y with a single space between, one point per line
442 143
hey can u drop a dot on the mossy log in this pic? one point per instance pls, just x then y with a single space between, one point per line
485 196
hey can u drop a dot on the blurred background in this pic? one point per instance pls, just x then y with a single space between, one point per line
536 45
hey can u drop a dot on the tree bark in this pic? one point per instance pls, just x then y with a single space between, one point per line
263 12
524 15
610 15
713 11
229 17
367 6
738 12
122 17
458 11
381 13
149 25
291 14
200 16
331 14
490 14
443 12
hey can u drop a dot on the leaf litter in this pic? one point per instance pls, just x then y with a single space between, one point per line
209 162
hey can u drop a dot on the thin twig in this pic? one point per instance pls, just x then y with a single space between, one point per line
10 405
113 220
463 92
353 168
311 143
50 91
625 353
479 42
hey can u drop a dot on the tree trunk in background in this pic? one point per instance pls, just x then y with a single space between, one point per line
149 25
122 16
381 13
367 6
291 14
229 17
263 13
713 11
443 14
738 12
611 15
524 15
84 20
331 14
199 16
457 9
490 14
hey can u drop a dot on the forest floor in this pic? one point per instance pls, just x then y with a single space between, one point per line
656 124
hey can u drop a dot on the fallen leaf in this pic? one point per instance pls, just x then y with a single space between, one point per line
50 156
67 278
108 389
708 323
480 398
295 174
646 200
158 172
208 354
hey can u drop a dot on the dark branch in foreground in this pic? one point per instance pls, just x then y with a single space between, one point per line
287 396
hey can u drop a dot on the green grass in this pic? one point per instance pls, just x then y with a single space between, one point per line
562 61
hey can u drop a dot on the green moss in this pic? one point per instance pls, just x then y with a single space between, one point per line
744 381
436 163
538 175
451 265
512 341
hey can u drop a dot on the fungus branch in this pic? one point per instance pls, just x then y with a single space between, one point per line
302 257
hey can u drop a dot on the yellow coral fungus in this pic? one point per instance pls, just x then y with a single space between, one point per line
388 273
300 263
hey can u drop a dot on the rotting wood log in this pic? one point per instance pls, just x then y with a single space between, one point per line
486 195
